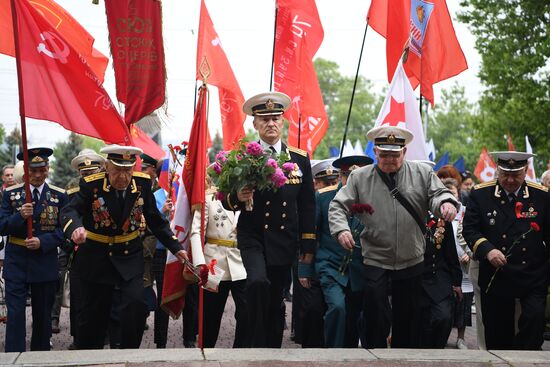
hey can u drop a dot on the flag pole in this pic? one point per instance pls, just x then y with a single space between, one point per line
353 90
299 128
273 49
22 114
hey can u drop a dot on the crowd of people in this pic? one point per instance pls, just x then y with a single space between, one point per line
385 254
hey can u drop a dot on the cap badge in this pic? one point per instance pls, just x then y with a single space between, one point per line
329 171
126 156
391 138
269 104
35 151
511 162
87 162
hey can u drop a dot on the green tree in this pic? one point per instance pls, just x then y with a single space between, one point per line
336 90
512 38
217 145
452 126
13 145
64 152
92 143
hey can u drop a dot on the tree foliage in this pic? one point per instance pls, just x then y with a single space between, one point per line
512 37
336 90
64 152
13 145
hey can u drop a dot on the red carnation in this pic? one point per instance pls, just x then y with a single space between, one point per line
519 206
361 208
431 223
535 227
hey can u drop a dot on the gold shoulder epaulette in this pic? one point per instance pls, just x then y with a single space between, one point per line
327 189
73 190
14 187
94 177
298 151
537 186
56 188
142 175
485 184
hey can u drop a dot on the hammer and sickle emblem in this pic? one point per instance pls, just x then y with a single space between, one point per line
56 52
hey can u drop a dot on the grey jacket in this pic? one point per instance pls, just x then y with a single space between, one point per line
391 238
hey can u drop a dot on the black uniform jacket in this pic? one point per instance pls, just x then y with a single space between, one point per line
441 266
113 248
281 221
491 221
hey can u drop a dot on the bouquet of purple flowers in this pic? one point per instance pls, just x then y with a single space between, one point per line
249 166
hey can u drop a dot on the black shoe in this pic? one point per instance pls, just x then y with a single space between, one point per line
546 335
161 346
288 296
189 344
72 346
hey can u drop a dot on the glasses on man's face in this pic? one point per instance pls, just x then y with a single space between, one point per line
389 155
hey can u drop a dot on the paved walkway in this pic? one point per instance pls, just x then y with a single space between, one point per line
288 356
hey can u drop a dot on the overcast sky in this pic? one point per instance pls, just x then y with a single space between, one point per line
245 28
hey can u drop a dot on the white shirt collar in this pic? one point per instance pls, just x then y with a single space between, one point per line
40 188
278 145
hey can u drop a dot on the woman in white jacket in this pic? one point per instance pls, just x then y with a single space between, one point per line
220 244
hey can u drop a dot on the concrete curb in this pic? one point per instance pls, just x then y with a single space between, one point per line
288 356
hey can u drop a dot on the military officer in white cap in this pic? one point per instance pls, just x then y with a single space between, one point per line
401 193
324 174
280 224
507 227
104 218
88 162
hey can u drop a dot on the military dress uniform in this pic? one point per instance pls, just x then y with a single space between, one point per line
112 255
34 269
491 221
269 237
442 272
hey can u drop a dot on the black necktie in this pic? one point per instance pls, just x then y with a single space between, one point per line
273 151
512 197
120 195
35 196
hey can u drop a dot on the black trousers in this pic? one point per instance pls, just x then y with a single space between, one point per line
311 310
76 301
264 297
403 316
95 312
214 305
437 321
161 317
499 321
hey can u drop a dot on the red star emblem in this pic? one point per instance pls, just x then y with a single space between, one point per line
396 114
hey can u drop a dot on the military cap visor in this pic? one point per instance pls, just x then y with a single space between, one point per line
511 161
267 104
345 163
87 161
324 168
121 155
148 161
38 157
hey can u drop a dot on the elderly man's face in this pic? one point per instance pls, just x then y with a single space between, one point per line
119 177
38 175
546 181
389 161
88 172
511 180
7 177
270 128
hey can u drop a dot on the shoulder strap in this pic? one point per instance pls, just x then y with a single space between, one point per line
402 200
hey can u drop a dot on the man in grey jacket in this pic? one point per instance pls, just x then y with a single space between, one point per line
393 239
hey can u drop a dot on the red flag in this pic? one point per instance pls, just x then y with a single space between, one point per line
64 23
143 141
190 198
135 34
58 85
510 143
209 48
485 167
298 35
427 29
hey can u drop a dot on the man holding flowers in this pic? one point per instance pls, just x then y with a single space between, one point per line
507 226
278 224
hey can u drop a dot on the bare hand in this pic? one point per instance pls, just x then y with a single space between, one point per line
167 207
32 243
496 258
26 210
245 194
305 282
448 212
182 255
464 258
458 292
79 236
345 239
